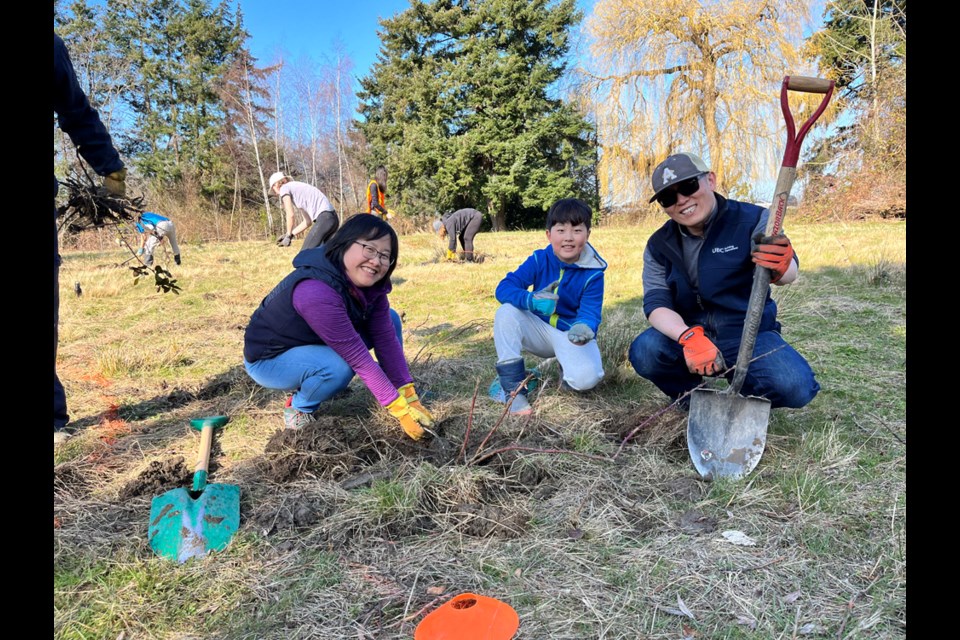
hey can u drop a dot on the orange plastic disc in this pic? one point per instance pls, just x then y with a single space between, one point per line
469 617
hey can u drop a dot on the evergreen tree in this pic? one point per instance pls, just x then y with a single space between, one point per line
459 108
178 52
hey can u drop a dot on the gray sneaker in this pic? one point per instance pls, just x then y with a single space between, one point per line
520 406
60 436
293 419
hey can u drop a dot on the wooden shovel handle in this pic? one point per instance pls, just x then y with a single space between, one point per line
808 85
776 213
203 458
206 443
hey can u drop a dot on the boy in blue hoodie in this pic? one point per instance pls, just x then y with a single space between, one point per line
561 315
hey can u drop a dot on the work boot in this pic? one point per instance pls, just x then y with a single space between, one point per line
512 373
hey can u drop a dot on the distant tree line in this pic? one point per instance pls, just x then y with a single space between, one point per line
475 103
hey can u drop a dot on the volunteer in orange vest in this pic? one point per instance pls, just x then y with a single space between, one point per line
377 194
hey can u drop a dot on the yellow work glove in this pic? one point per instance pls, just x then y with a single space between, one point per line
400 410
413 402
116 183
451 255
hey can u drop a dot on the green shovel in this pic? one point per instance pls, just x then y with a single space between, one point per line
189 523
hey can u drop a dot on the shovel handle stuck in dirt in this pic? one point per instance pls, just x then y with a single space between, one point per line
778 210
205 426
188 524
727 432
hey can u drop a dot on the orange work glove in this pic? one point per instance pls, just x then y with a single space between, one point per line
419 411
774 253
701 354
400 410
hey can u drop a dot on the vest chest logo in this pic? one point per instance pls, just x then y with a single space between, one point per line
726 249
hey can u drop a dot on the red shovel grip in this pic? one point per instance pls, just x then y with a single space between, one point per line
805 85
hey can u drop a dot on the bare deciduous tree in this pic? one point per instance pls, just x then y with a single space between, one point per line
690 75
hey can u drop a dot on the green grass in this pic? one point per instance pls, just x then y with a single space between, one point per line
581 547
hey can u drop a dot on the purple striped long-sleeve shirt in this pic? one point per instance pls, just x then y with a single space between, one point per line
326 313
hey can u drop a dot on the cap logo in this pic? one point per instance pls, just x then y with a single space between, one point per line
668 175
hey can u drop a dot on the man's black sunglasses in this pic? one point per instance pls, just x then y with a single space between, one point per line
688 187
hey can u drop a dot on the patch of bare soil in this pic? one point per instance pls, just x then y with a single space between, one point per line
299 509
694 522
685 488
327 448
487 520
158 478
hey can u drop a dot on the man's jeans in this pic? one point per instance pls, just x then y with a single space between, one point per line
782 376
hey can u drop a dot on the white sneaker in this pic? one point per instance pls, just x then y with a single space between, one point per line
59 437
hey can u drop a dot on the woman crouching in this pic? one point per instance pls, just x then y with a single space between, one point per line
314 331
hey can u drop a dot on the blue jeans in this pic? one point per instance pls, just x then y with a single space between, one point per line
782 376
314 371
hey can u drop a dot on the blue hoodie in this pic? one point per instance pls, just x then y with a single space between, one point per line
580 290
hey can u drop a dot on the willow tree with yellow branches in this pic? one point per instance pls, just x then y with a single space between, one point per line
689 75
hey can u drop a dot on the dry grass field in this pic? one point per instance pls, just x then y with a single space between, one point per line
588 517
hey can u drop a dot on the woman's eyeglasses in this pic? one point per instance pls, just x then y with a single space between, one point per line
688 187
370 252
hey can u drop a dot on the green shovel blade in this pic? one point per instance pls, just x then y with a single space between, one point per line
188 524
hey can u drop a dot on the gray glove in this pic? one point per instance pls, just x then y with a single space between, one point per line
284 240
544 301
580 333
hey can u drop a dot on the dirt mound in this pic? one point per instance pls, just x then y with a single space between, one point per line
158 478
327 448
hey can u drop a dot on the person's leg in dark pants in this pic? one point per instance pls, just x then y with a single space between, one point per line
323 227
469 233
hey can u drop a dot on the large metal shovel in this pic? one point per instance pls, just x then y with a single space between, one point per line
188 524
727 432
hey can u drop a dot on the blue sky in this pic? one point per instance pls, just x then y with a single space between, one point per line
309 28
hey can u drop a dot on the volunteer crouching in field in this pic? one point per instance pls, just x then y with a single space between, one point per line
153 228
462 225
697 275
313 332
560 317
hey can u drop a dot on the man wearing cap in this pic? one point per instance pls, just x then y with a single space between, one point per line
462 224
314 207
697 275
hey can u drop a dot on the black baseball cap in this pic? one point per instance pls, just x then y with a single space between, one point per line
676 168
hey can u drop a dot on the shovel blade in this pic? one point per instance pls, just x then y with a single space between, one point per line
726 433
189 524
